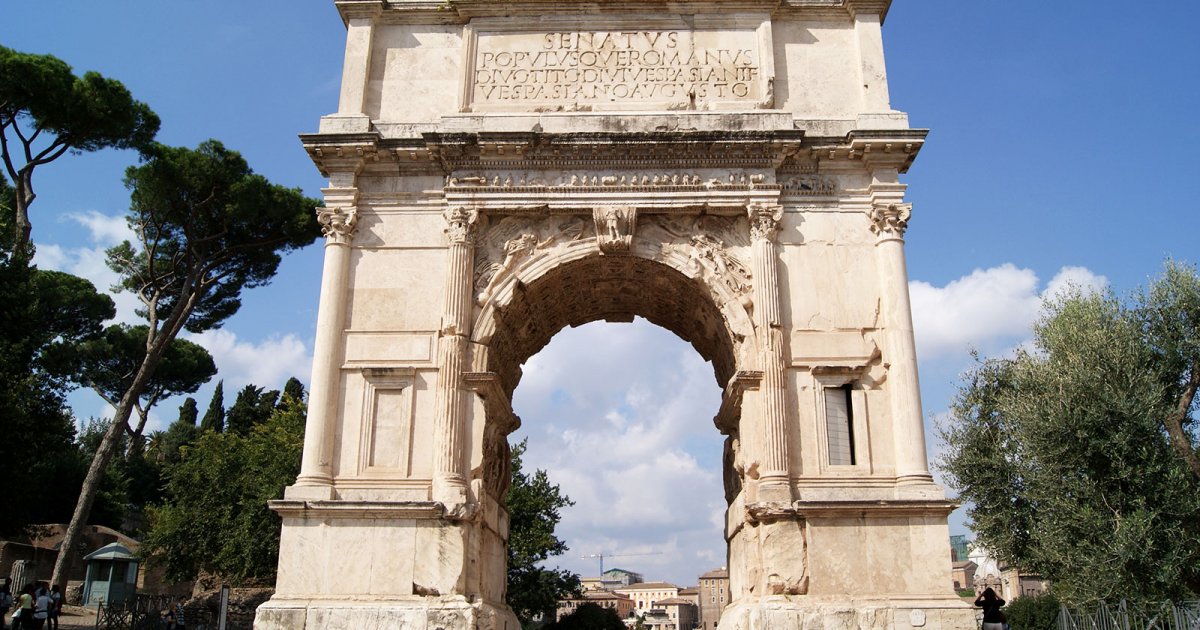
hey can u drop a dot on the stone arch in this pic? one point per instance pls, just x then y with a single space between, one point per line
675 292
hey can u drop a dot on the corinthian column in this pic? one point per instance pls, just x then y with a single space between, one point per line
774 482
450 479
338 224
889 221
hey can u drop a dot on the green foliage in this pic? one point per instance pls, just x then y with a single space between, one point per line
251 408
214 417
589 616
533 508
42 467
216 518
46 111
292 390
1065 452
210 227
108 363
1033 612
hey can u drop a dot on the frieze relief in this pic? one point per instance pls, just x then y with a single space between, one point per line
634 179
808 185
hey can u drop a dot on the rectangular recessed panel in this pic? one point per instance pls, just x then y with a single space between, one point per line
391 429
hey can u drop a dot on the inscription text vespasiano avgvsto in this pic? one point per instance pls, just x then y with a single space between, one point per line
669 66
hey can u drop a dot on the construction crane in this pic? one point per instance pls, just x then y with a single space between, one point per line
602 556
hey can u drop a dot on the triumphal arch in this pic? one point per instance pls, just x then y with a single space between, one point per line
500 169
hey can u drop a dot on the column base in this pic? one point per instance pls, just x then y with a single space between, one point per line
417 613
935 614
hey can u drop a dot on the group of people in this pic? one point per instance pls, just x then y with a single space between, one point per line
36 607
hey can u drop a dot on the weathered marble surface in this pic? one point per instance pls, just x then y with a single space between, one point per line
500 170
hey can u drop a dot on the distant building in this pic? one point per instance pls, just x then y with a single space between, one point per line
714 596
604 599
647 595
959 548
681 613
962 572
692 594
1008 582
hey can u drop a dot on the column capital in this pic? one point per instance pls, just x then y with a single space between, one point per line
338 224
462 225
890 220
764 221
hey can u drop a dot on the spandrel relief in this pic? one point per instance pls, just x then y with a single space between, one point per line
614 228
711 245
515 239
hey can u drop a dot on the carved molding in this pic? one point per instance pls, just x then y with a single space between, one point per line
462 224
514 239
890 220
615 226
338 224
520 180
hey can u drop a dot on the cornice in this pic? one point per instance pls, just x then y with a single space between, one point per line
463 11
447 152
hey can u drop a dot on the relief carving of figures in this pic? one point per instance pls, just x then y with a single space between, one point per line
718 264
614 228
809 185
504 246
709 244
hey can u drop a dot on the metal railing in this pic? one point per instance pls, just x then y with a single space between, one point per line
1129 616
144 612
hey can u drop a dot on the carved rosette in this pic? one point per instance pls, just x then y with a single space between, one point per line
764 221
462 224
338 224
890 220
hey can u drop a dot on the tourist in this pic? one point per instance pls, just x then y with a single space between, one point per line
56 603
6 602
175 618
993 618
23 617
41 608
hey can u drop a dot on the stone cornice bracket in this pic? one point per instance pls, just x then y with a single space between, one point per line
615 226
764 221
870 7
890 220
462 225
338 224
769 512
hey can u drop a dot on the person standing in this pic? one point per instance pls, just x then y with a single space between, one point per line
6 602
993 618
56 602
41 609
23 617
176 619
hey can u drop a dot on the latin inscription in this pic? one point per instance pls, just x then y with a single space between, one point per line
674 67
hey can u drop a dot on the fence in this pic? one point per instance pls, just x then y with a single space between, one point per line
1127 616
145 612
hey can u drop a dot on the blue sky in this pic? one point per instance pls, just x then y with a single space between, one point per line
1062 148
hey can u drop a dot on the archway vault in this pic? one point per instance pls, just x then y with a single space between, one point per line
575 286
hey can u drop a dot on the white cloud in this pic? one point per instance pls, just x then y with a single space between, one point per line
620 415
104 231
267 364
987 308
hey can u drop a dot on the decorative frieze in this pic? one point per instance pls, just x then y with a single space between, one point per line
521 180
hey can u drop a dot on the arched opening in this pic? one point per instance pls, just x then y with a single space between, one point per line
581 293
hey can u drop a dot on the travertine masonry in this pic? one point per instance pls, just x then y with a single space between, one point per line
727 170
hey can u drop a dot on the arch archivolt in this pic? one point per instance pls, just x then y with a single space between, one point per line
688 272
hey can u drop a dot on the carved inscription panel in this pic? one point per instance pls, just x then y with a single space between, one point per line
576 70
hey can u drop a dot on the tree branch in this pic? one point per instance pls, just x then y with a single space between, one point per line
1174 423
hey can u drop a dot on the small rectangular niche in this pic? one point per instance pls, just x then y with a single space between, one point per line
842 426
839 426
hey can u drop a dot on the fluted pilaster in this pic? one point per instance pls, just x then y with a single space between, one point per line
338 222
450 481
774 475
889 221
